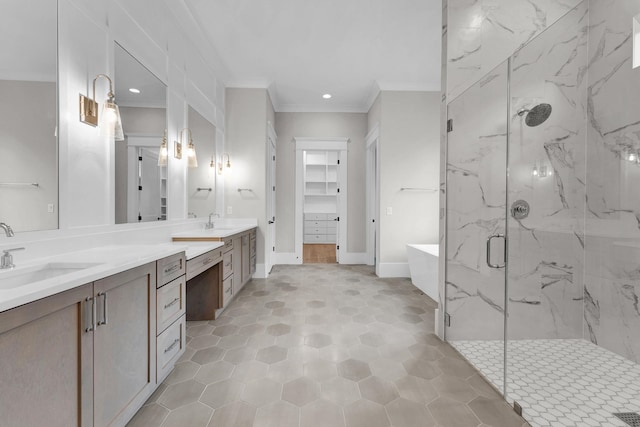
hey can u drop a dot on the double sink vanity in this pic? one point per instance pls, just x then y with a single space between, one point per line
86 337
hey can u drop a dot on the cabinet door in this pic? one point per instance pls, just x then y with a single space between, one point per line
246 260
237 264
46 362
124 344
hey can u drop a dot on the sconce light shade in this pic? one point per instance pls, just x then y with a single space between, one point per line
110 124
164 151
192 157
221 165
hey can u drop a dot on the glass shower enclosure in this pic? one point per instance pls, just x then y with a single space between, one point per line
515 293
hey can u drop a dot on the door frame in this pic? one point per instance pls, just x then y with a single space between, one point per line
372 141
270 240
321 144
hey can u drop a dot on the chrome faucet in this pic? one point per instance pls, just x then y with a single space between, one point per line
8 231
7 259
211 224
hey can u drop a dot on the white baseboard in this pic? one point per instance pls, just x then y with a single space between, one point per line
261 272
284 258
393 269
353 258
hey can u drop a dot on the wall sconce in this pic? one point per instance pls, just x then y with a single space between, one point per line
192 158
164 151
221 164
109 124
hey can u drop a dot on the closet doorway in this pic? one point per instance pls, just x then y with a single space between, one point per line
320 199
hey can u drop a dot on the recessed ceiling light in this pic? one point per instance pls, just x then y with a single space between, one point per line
326 96
134 90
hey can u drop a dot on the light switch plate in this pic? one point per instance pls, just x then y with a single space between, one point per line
389 210
229 210
50 208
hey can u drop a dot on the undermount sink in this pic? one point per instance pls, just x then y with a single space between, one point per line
10 279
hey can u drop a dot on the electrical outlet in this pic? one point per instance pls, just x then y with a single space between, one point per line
389 210
229 210
50 208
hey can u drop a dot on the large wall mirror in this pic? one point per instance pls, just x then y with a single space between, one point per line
28 115
141 163
202 179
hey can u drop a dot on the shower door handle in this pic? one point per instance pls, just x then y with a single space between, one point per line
489 251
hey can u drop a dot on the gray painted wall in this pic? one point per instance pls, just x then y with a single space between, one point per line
409 157
320 125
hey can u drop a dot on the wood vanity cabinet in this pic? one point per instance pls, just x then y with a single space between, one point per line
124 344
46 362
87 356
238 262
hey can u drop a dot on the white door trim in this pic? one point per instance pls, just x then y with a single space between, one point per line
373 194
270 213
323 144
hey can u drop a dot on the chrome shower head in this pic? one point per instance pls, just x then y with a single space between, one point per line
537 115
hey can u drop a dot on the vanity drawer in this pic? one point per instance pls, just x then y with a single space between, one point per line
227 290
315 238
228 245
203 262
171 303
170 344
227 265
170 268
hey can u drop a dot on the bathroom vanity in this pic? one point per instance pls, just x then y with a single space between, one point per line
238 263
89 347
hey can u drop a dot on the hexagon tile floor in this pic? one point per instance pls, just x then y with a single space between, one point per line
324 346
561 382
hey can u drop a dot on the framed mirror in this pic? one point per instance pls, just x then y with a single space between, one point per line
140 168
28 115
201 187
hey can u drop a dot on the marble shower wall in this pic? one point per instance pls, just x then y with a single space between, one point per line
477 35
476 167
483 33
612 273
545 271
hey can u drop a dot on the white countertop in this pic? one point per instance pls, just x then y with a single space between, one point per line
219 232
194 249
109 260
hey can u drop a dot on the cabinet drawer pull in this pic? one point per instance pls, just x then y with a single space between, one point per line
90 314
171 303
172 269
227 264
207 261
173 344
104 320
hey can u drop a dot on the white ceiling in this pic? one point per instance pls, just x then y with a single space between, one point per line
301 49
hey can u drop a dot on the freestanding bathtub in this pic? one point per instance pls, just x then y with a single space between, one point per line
423 266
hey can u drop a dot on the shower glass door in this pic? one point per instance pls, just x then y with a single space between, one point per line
476 219
547 170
